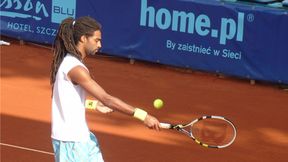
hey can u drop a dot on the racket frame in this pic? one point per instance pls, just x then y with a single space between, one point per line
180 128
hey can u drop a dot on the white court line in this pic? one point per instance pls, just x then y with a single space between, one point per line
28 149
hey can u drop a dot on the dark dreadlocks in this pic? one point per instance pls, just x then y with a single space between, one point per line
68 36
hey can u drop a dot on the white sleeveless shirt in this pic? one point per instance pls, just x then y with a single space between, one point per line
68 110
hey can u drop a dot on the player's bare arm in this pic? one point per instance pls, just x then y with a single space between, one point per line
81 76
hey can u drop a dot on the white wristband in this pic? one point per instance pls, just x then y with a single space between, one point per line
140 114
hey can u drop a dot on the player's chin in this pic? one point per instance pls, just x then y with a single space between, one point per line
96 52
93 53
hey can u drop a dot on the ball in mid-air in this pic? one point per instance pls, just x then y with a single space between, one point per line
158 103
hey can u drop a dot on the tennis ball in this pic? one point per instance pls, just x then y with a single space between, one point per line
158 103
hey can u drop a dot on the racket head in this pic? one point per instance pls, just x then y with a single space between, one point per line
208 131
212 131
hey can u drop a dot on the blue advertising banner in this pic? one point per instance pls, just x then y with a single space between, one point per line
229 38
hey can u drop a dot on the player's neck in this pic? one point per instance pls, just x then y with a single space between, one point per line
81 49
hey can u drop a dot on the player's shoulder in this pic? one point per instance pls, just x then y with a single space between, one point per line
69 57
69 62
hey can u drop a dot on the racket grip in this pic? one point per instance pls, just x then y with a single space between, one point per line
165 125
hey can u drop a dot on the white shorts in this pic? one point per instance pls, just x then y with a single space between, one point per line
65 151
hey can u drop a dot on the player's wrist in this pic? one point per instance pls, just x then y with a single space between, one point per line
140 114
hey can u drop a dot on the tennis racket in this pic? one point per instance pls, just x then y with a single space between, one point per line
207 131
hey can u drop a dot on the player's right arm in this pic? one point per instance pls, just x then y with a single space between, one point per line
79 75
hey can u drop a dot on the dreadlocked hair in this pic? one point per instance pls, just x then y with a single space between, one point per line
69 33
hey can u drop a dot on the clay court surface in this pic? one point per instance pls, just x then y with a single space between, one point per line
259 111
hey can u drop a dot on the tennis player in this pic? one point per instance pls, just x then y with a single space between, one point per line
70 80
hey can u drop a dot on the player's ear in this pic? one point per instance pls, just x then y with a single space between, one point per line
83 39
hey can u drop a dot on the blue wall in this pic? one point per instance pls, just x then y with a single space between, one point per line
229 38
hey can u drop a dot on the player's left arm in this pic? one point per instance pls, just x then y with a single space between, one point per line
81 76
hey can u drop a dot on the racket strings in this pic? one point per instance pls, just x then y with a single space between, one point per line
213 132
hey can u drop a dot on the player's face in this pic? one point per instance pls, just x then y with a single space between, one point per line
93 43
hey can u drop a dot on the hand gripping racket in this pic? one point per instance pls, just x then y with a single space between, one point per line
207 131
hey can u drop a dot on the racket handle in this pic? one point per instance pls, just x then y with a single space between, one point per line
165 125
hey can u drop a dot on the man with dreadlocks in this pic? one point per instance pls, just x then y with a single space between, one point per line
70 80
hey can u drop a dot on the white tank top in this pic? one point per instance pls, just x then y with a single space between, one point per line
68 110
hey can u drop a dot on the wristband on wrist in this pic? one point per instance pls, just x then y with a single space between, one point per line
140 114
91 104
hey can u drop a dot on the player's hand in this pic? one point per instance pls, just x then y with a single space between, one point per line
152 123
103 109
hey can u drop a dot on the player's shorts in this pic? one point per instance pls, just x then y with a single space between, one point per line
77 151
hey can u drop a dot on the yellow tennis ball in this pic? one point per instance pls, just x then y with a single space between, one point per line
158 103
